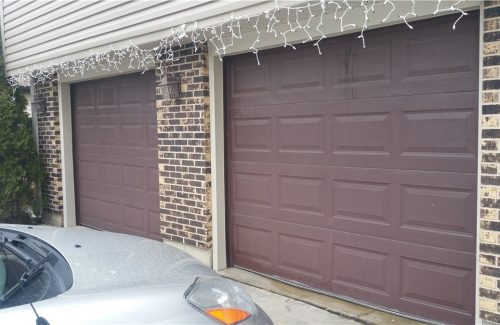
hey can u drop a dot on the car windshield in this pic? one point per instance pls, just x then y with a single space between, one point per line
12 269
30 270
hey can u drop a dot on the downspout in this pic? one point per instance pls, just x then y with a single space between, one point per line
34 127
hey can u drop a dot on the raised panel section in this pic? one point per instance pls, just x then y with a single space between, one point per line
360 268
253 244
107 96
301 134
438 284
109 135
362 133
253 189
438 133
131 93
301 194
88 170
250 79
450 53
153 180
85 99
300 255
134 219
291 79
111 212
152 137
86 135
110 174
133 135
361 201
133 177
252 134
89 208
371 65
438 209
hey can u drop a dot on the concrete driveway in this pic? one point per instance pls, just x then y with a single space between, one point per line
287 304
288 311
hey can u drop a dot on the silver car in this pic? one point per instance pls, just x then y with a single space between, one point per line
77 275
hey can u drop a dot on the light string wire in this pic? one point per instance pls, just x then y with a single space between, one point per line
304 19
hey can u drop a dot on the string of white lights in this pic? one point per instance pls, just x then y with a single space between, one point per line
279 21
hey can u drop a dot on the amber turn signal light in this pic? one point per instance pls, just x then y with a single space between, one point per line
228 316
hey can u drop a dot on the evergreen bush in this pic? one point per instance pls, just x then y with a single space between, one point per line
21 173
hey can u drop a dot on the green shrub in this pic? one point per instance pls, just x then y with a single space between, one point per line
21 174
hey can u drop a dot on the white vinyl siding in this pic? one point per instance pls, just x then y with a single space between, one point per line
45 32
42 31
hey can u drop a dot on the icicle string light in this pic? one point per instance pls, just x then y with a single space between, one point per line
279 22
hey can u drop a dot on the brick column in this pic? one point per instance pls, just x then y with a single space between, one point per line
489 254
49 145
184 152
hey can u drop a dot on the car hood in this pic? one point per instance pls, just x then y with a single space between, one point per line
103 261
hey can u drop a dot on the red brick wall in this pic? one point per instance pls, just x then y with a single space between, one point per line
184 151
49 145
489 255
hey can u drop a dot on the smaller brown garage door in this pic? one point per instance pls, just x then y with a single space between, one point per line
115 152
355 171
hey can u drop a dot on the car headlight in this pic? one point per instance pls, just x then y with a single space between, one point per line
220 299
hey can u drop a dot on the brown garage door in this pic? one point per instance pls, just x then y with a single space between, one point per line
116 154
355 171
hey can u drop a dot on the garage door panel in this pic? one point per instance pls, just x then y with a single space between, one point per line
438 212
254 246
294 242
302 194
153 224
134 177
439 290
111 211
86 134
363 267
362 202
373 138
293 81
85 98
350 277
152 138
369 70
447 290
429 57
109 135
355 172
135 220
301 135
115 156
133 135
153 181
88 170
110 174
427 278
253 188
252 82
439 133
434 132
401 65
132 92
107 95
245 139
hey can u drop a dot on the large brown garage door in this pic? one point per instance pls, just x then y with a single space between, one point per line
355 171
116 154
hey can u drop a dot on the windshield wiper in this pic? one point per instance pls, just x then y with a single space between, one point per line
27 277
